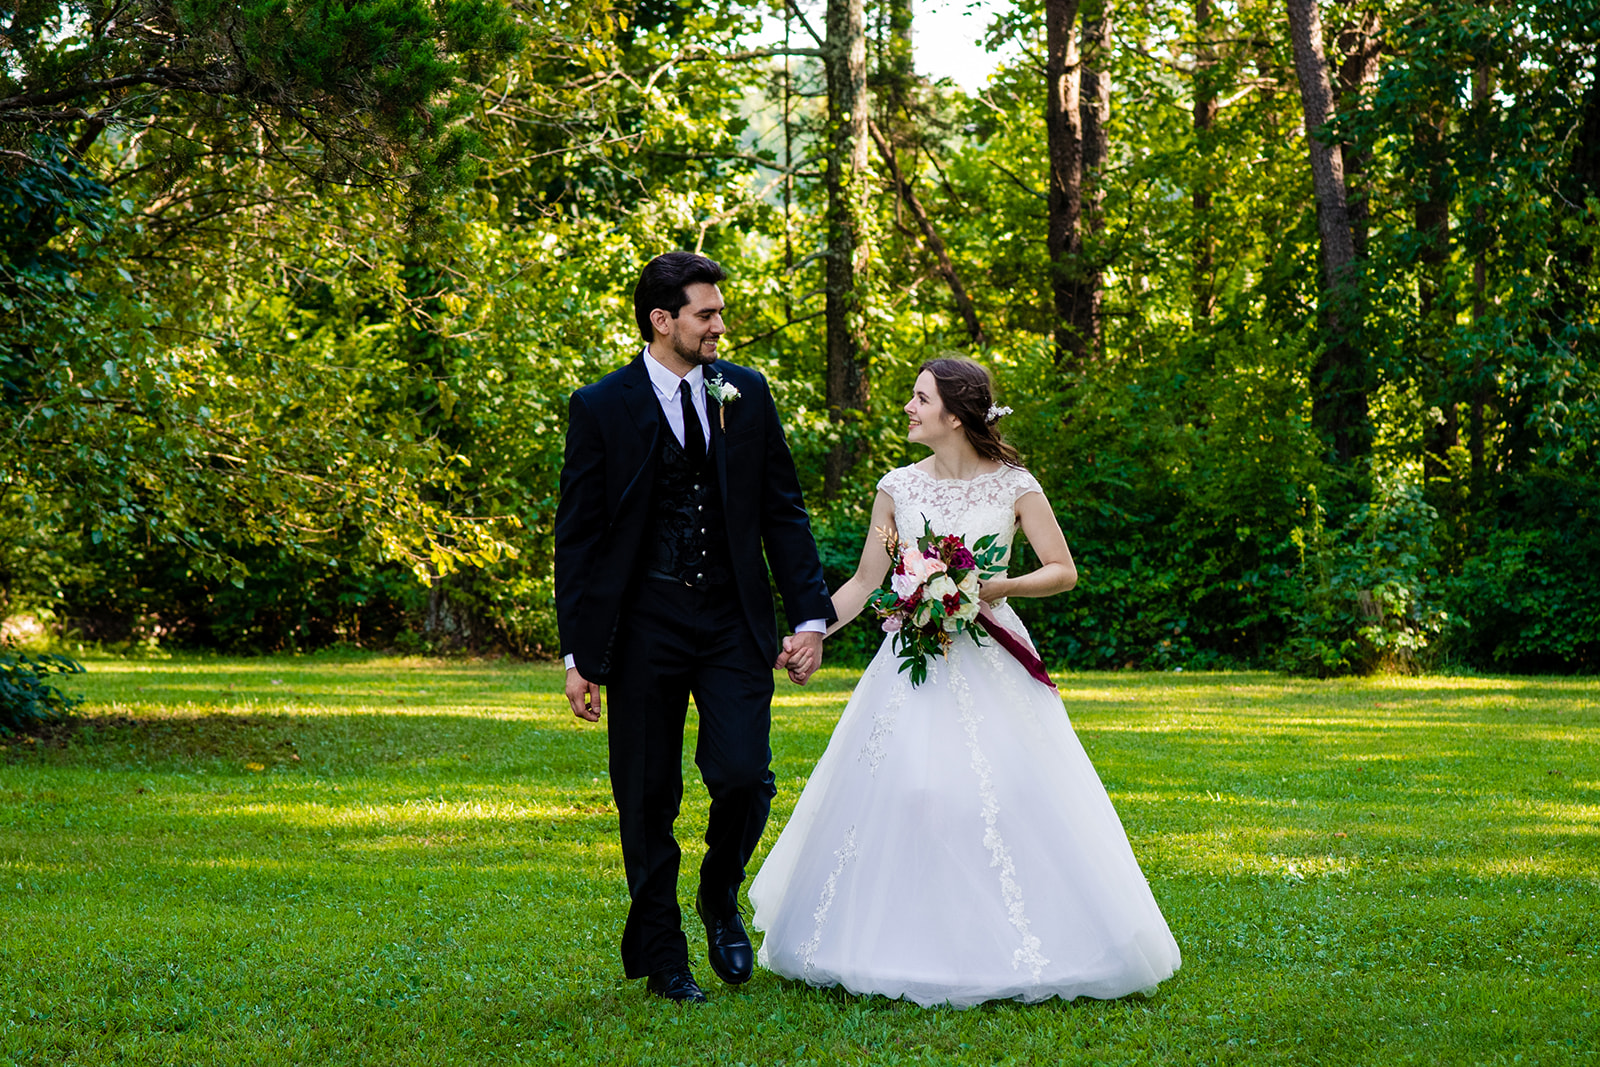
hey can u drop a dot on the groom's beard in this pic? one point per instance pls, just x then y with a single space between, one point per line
696 355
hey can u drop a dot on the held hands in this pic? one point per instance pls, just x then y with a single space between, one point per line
801 656
583 695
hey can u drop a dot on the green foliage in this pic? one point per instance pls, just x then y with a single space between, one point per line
208 444
1365 591
27 699
302 319
156 392
1526 597
342 91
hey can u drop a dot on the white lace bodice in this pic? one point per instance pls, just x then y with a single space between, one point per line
971 507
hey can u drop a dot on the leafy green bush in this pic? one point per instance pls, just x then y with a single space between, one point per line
123 596
1528 598
1366 591
27 700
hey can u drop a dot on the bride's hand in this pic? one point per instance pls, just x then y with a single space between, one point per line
802 655
993 591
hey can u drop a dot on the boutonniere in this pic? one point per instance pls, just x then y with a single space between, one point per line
724 394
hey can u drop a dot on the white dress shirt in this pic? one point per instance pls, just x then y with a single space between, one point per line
665 382
666 386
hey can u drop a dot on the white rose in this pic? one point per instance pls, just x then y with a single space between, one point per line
968 611
941 586
969 586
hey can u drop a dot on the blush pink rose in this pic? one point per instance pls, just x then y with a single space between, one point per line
923 567
904 585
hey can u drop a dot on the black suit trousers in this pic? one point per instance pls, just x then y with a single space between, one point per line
677 642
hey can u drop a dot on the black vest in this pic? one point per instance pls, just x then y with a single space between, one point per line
688 534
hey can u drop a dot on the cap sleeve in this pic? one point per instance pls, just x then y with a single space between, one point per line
1022 483
892 481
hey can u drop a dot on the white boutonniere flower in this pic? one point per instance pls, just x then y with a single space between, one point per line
724 394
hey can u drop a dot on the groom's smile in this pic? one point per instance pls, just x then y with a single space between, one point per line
697 327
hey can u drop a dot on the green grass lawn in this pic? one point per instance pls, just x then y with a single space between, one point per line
400 861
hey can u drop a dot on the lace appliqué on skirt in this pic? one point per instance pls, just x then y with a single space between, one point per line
872 752
1028 955
843 855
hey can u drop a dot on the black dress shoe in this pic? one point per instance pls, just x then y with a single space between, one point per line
678 985
729 949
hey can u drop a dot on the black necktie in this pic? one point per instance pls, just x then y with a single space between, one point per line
694 438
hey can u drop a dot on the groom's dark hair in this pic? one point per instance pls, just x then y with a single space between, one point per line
662 283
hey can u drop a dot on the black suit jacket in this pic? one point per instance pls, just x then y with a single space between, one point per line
606 484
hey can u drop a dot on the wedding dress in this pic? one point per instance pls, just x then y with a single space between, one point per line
954 844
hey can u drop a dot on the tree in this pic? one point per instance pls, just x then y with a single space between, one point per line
123 400
342 91
1064 131
849 244
1339 398
1203 281
897 132
1095 103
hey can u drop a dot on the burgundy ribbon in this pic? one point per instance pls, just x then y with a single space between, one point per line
1014 645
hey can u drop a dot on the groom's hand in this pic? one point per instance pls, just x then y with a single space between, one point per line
583 695
802 655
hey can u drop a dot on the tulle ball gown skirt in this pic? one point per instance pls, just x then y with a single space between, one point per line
954 845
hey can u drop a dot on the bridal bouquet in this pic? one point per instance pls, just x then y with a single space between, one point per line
933 594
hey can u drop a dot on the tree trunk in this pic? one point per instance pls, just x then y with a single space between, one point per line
1095 106
1202 274
1064 132
894 77
447 624
1482 386
1361 47
845 59
935 244
1431 219
1339 389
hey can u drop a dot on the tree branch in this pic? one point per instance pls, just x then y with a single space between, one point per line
947 270
1024 186
165 77
801 15
746 157
777 330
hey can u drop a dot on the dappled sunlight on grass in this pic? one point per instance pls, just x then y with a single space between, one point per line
310 685
412 858
464 814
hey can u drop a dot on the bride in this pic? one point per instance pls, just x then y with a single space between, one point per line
954 844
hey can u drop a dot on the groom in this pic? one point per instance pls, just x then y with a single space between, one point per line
676 478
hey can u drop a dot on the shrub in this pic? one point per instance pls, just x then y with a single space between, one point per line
1366 591
1528 598
27 700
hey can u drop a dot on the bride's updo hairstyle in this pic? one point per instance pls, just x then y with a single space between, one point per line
967 392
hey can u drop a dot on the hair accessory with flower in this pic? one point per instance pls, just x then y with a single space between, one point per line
996 412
